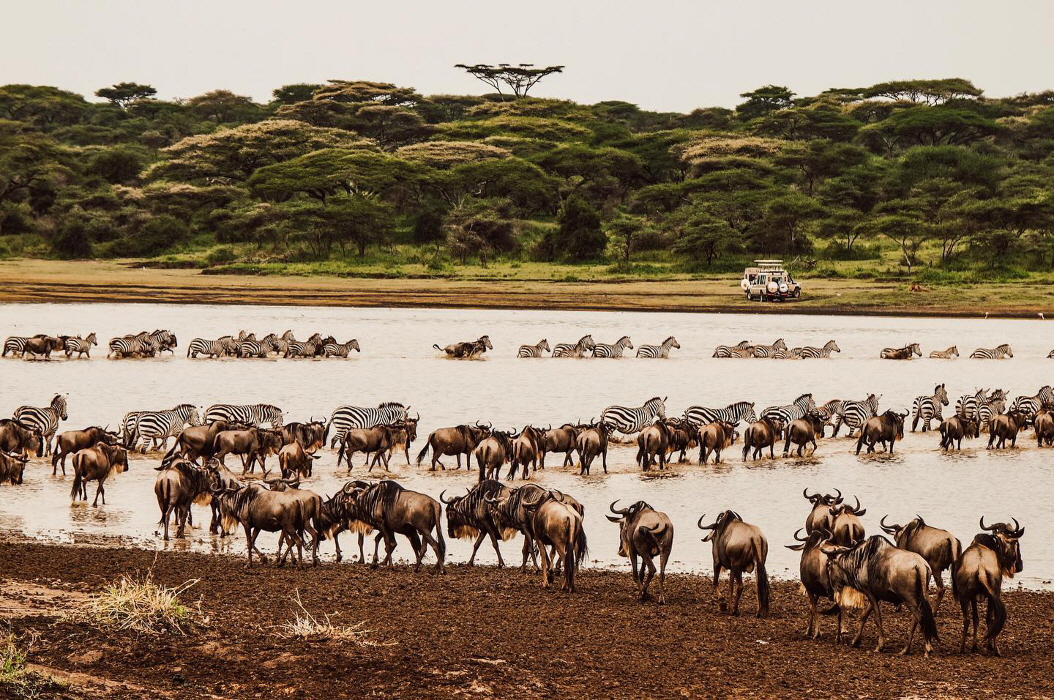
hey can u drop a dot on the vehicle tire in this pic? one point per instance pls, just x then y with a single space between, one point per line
797 293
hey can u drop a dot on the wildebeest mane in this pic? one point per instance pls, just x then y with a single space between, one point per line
1003 554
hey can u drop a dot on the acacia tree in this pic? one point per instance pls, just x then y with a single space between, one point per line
519 78
121 94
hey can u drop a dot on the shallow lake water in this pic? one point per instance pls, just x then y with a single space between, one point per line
397 363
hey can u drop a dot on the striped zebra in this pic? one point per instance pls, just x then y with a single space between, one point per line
769 350
811 353
252 414
129 424
791 354
733 413
628 420
534 350
785 415
156 427
966 406
308 348
345 418
661 351
340 349
574 349
46 420
996 353
81 346
279 344
613 351
213 348
142 345
254 348
928 408
948 354
830 413
988 409
855 413
742 349
16 344
903 353
1028 406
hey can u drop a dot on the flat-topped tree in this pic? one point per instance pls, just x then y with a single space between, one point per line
519 78
121 94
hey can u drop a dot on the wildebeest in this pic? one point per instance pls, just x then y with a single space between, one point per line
820 517
73 440
979 572
738 547
715 437
251 444
873 571
846 528
760 434
256 508
813 572
294 461
377 440
44 345
558 524
652 444
12 467
389 508
176 487
646 533
1005 427
592 441
528 449
220 478
336 517
471 516
97 463
1043 424
683 436
199 442
467 350
886 428
404 433
802 432
954 429
904 353
563 439
493 452
940 548
18 437
457 441
312 435
508 511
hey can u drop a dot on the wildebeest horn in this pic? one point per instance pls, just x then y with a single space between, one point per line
856 509
705 527
444 500
838 498
886 528
800 539
557 495
1017 528
617 511
984 527
805 492
418 415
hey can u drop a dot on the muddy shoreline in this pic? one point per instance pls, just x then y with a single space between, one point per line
481 632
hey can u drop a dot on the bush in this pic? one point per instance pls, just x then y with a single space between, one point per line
221 255
157 236
72 240
579 234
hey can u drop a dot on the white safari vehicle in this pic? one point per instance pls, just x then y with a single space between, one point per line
768 281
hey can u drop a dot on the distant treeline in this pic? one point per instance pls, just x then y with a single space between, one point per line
337 170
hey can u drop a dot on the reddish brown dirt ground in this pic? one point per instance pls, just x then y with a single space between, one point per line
485 632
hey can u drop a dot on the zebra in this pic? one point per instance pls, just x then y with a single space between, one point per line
792 354
986 410
785 415
967 405
855 413
213 348
769 350
1028 406
734 350
661 351
308 348
628 420
340 349
613 351
733 414
928 408
279 344
144 345
345 418
809 353
129 424
903 353
159 426
996 353
534 350
81 346
948 354
44 419
252 414
830 413
16 344
574 349
254 348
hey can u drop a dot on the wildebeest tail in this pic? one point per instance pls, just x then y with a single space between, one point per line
424 451
439 535
76 481
437 347
581 544
764 592
164 499
928 622
652 537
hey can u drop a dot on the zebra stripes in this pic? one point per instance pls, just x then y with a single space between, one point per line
574 349
142 344
792 354
1028 406
661 351
809 353
967 405
308 348
855 413
45 419
733 413
16 344
948 354
996 353
156 427
533 350
769 350
345 418
928 408
254 348
988 409
223 346
340 349
613 351
81 346
791 412
831 413
742 349
629 420
252 414
903 353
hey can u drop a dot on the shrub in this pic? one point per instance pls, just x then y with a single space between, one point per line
72 240
157 236
219 256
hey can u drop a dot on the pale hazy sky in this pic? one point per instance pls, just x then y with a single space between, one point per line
663 54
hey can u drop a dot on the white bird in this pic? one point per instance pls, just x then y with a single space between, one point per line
986 314
1042 316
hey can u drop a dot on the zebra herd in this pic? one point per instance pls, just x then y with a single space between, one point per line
586 344
42 345
286 345
777 351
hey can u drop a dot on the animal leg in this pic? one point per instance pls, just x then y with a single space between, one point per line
860 633
965 605
647 580
938 579
475 548
976 622
738 576
545 566
99 492
494 541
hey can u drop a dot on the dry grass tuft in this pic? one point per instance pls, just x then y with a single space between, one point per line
304 625
142 606
18 681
